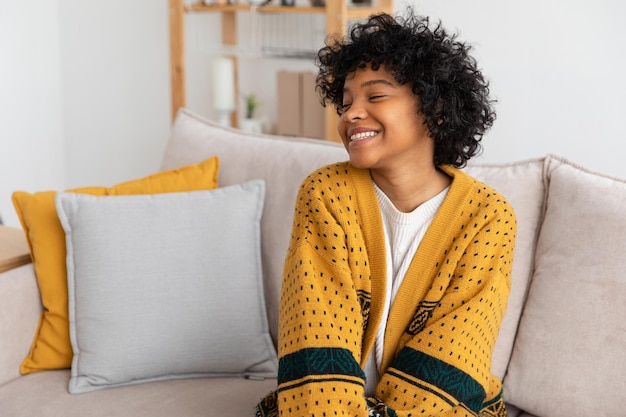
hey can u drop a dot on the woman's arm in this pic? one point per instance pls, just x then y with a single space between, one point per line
322 319
443 362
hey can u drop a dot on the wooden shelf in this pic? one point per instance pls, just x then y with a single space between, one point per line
337 16
248 8
354 12
357 13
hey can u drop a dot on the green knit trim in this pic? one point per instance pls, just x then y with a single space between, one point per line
422 368
333 362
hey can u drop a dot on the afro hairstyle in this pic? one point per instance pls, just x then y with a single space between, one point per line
452 92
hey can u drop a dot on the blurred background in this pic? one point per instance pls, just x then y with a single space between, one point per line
85 85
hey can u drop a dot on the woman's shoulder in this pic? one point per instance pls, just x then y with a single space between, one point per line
332 176
327 172
481 196
338 185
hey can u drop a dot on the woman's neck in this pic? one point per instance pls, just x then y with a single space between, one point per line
409 188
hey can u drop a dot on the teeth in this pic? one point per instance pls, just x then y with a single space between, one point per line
363 135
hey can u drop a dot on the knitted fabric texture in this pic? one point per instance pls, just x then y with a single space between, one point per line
442 326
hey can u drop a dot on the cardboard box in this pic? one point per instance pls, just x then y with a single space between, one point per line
300 112
313 120
289 103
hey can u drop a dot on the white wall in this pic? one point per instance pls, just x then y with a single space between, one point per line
115 84
84 85
84 93
556 69
31 137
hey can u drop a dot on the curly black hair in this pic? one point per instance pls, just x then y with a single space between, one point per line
453 93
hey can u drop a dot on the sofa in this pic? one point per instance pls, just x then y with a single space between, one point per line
142 349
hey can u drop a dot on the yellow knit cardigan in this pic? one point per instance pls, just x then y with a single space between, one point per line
442 326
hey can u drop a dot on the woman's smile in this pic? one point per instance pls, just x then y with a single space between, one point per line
360 134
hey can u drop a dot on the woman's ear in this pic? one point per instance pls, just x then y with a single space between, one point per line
439 111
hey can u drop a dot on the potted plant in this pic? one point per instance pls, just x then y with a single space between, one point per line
250 124
252 103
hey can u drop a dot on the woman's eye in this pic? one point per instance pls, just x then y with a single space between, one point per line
376 97
345 106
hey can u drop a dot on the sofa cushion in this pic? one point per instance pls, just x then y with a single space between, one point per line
283 162
568 358
166 286
51 345
521 183
44 394
512 411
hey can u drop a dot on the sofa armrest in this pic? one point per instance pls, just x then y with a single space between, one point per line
20 310
13 248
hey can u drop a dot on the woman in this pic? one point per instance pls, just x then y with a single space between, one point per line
398 272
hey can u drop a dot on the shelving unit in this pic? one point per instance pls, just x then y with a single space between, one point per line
337 12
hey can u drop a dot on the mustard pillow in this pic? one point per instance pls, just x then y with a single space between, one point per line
51 348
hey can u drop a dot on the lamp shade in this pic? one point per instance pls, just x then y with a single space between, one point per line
223 84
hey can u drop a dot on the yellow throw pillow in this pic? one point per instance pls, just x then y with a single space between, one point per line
51 348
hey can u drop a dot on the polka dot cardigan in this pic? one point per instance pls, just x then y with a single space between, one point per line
442 326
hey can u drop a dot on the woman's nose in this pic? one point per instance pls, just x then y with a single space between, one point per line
355 111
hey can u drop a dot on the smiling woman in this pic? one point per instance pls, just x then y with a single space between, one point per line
383 129
398 272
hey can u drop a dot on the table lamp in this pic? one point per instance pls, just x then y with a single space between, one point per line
224 89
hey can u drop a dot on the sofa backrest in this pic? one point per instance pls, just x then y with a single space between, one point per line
283 162
569 357
523 186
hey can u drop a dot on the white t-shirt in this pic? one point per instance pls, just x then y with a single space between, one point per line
403 234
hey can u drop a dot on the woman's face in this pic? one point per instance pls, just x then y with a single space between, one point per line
382 126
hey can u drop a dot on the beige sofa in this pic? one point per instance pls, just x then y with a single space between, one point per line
562 347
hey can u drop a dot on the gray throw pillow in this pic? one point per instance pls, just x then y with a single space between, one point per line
166 286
